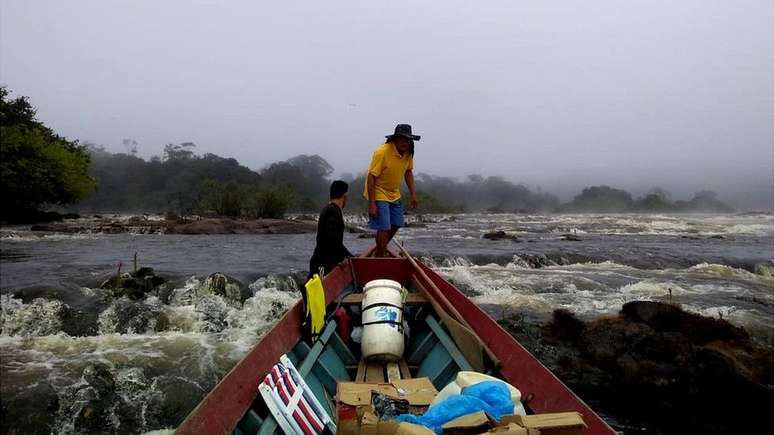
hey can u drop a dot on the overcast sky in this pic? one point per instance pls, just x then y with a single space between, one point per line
557 94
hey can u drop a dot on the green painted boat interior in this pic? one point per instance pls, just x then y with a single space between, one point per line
429 352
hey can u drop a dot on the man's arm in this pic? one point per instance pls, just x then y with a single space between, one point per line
372 195
409 177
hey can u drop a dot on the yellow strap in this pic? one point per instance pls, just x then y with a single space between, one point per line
315 304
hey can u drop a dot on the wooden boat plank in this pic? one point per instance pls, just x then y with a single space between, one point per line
361 371
447 343
250 423
393 372
422 340
329 369
405 373
341 349
374 372
317 348
435 365
411 299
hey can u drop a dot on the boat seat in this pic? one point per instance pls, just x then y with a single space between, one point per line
382 372
357 299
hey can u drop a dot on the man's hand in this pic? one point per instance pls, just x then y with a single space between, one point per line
414 203
372 210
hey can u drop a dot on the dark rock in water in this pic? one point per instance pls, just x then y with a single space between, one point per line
565 327
28 294
213 312
665 318
570 238
229 288
134 285
499 235
98 376
681 369
38 318
31 411
93 406
125 316
175 399
368 235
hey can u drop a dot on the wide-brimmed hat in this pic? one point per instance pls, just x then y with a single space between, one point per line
405 131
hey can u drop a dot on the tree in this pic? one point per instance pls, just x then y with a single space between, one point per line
601 199
38 167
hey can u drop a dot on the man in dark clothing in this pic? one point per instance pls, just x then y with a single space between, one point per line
330 249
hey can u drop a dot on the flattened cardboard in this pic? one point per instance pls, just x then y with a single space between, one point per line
413 429
512 429
418 391
470 424
371 425
558 423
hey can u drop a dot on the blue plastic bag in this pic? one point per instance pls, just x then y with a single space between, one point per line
492 397
494 394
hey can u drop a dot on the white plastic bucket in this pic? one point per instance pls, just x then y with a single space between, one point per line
382 309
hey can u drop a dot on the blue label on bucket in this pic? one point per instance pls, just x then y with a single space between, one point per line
388 314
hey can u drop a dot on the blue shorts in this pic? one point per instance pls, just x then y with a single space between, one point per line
388 215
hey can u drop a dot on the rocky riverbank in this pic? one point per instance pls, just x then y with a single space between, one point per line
173 224
656 368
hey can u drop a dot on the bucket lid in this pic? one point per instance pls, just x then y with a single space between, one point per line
382 283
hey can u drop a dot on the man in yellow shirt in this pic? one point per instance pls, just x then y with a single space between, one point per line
392 162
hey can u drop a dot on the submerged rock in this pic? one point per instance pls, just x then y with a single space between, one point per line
39 318
31 411
134 285
93 405
229 288
125 316
499 235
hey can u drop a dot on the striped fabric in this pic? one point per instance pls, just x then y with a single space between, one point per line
293 399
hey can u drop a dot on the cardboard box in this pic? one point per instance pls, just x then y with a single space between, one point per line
512 429
371 425
418 391
471 424
558 423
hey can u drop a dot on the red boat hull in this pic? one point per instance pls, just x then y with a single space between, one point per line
223 407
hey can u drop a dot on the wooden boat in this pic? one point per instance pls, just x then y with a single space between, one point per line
438 348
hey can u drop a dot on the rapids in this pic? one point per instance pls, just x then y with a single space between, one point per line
74 359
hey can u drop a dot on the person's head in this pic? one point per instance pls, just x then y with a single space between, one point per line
403 144
403 139
339 191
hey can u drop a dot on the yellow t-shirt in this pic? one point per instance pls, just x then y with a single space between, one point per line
389 168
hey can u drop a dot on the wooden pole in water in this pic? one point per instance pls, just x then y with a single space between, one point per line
135 263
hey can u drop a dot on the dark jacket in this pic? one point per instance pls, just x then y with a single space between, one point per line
330 249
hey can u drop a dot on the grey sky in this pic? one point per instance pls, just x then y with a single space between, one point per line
555 94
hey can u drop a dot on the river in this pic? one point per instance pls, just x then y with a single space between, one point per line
163 354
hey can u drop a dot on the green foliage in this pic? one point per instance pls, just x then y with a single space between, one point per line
304 174
176 182
603 199
705 201
224 199
272 200
38 167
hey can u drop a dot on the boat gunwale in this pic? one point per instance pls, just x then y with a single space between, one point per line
221 410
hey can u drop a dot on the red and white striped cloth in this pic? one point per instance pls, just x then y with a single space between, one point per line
292 396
